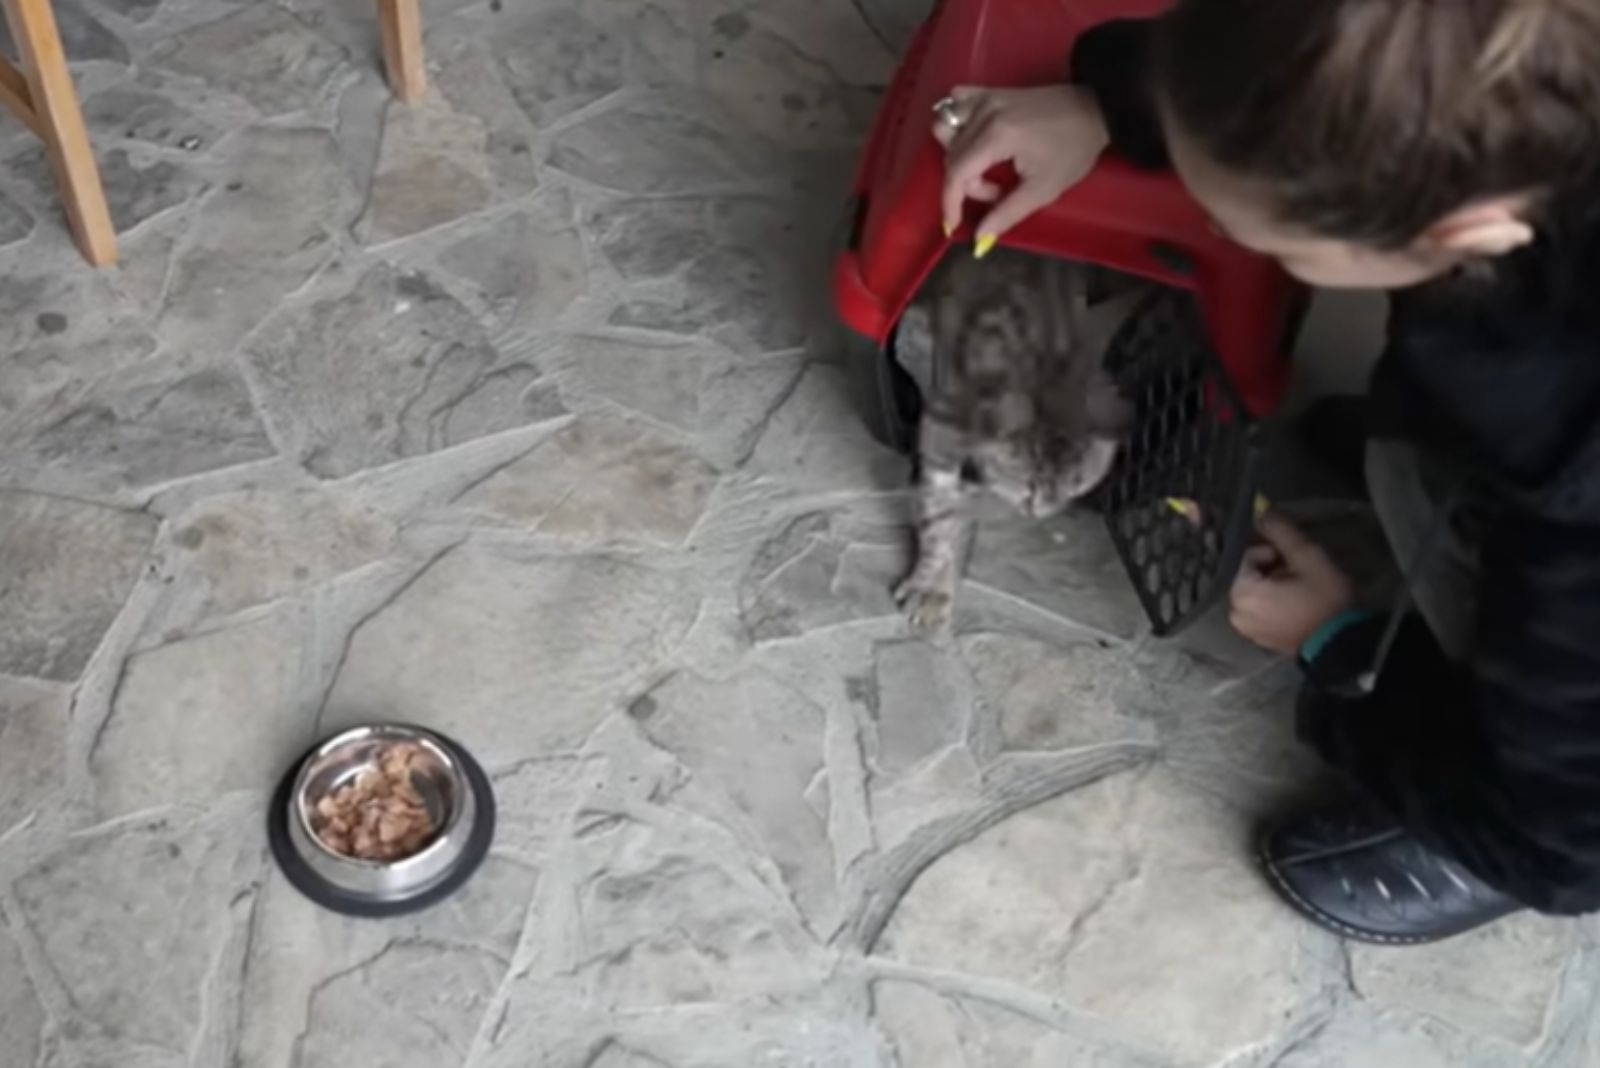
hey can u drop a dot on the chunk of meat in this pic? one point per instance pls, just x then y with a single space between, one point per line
379 816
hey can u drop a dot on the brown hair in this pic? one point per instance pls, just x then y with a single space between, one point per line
1370 120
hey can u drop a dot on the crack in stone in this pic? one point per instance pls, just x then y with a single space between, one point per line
1107 639
895 872
495 470
872 27
1295 1044
211 985
298 1046
1347 968
368 617
1040 1009
759 431
1075 931
111 711
422 391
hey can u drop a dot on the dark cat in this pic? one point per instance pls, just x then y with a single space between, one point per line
1009 355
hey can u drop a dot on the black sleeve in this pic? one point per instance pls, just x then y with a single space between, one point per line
1496 762
1112 60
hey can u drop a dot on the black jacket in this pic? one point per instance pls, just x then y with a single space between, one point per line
1495 762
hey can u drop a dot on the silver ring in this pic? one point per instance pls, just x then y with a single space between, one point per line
945 110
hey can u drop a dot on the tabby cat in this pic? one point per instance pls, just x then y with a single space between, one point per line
1008 353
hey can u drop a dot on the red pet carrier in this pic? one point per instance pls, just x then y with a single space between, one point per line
1201 362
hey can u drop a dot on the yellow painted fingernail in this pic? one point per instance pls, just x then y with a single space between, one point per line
949 229
983 246
1186 507
1261 505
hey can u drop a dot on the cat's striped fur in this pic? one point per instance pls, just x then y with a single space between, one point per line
1008 353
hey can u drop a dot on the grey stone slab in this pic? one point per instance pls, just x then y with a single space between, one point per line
719 399
650 239
61 331
949 786
143 260
433 168
923 705
627 203
161 420
1387 1040
895 20
311 973
132 10
558 60
427 1000
68 567
805 577
260 234
1039 696
932 1030
464 72
15 221
515 657
138 191
133 919
390 367
135 113
199 718
257 546
821 1028
543 801
1157 926
816 442
601 479
1065 566
670 920
1240 746
354 27
667 142
84 38
758 742
743 267
615 1056
834 37
262 54
33 739
21 1014
1494 983
527 268
358 127
796 98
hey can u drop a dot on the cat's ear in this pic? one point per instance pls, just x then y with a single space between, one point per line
1110 413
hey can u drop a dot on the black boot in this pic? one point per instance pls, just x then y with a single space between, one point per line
1363 877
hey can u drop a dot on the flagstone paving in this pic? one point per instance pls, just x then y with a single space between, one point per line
519 413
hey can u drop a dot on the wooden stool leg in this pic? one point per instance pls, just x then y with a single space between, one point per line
60 124
401 26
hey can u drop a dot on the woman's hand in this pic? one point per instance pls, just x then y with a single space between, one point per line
1287 588
1051 136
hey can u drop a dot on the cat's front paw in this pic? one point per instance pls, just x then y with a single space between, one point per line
927 601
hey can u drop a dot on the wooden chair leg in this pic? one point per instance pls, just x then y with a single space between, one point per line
59 122
401 27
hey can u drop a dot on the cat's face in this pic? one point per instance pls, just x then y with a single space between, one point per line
1043 480
1043 472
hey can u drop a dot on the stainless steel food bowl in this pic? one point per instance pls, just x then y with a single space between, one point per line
454 791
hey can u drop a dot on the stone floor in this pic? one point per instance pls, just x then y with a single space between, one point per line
517 413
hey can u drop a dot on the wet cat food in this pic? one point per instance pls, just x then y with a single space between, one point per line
378 816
